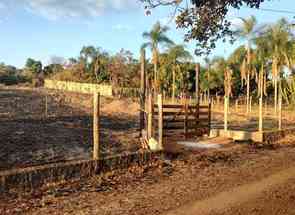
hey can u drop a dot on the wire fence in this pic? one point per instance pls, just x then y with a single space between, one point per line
240 119
46 126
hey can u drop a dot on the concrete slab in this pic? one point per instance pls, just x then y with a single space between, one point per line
237 135
199 145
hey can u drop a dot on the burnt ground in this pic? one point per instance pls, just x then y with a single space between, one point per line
29 138
239 120
243 179
240 179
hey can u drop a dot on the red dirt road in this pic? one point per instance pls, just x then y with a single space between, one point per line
237 199
237 180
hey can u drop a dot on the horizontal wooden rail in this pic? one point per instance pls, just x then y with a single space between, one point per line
175 113
182 119
180 126
177 133
188 120
174 106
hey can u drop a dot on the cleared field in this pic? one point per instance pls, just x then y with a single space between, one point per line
29 137
239 120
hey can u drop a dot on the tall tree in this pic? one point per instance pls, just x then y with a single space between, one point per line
34 66
204 21
88 53
177 54
94 61
248 31
278 39
219 66
156 37
208 71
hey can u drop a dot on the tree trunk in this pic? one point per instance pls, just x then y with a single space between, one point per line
173 84
276 88
155 61
155 73
197 70
209 84
248 75
248 92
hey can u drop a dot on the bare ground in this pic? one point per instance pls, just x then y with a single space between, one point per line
237 179
29 138
242 179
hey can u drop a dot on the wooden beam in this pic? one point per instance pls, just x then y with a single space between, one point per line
160 122
150 116
280 112
225 113
96 125
142 92
46 105
198 68
250 104
209 116
185 117
260 115
180 106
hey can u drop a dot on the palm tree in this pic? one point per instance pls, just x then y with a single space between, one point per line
218 68
262 53
156 37
278 40
208 70
88 53
177 54
248 31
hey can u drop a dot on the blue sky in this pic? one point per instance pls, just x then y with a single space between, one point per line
44 28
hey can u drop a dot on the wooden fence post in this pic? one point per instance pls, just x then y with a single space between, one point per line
150 116
280 112
198 68
209 116
160 125
173 85
218 102
96 125
185 118
250 104
260 115
225 112
197 118
46 106
142 92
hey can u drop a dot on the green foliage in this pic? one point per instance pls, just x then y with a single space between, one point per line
288 92
156 37
94 65
9 75
52 69
124 69
204 21
34 66
176 59
276 42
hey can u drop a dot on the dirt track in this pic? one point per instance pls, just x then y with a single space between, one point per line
29 138
235 180
236 199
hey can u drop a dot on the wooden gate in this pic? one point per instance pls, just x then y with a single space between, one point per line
182 120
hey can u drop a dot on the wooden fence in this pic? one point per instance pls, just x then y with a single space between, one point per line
181 120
